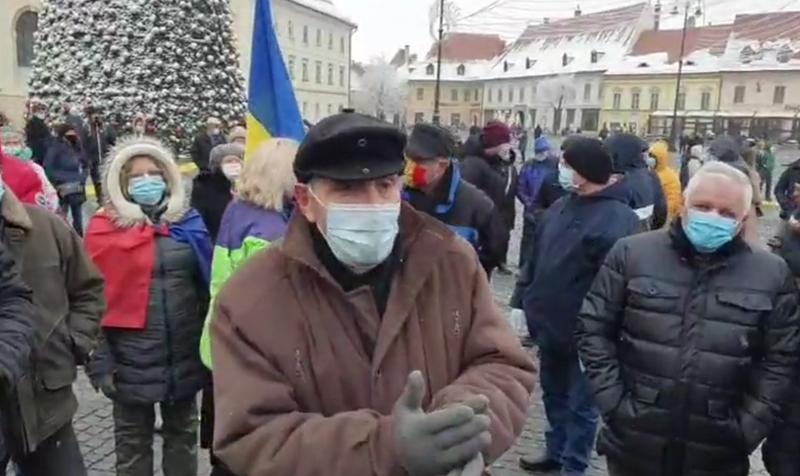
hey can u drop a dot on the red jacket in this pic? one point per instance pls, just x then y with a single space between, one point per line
21 179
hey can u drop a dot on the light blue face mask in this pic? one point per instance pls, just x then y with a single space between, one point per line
566 177
708 231
147 190
361 236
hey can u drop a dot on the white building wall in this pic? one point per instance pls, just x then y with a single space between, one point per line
13 78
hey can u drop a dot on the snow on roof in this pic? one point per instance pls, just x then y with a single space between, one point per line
712 38
325 7
586 43
472 71
458 46
697 62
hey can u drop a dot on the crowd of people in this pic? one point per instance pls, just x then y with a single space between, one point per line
331 301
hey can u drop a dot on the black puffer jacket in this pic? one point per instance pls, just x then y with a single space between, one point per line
781 452
497 179
689 357
211 194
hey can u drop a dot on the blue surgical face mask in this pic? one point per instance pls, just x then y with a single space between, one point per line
147 190
566 177
708 231
361 236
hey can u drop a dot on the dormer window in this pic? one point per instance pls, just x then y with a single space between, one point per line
690 63
461 70
595 56
505 66
529 63
642 65
785 54
566 59
429 70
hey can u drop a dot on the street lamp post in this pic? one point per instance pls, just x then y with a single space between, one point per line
674 137
437 88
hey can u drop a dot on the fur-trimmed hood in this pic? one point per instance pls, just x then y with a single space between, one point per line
126 213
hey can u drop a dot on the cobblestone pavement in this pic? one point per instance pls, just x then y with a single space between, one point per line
95 429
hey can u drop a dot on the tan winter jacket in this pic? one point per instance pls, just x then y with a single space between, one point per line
296 393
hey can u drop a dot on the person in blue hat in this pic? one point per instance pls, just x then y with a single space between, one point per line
538 189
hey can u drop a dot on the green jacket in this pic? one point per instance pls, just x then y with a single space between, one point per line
245 231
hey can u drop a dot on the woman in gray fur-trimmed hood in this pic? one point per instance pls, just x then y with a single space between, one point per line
153 251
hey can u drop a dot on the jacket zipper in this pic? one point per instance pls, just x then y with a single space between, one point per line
167 331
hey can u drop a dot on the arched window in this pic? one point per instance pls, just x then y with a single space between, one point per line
26 26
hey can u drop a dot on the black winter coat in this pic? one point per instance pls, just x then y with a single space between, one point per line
211 194
38 138
570 244
496 179
468 212
162 362
201 149
781 452
784 189
689 357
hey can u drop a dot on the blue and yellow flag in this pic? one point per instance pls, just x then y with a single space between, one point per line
272 109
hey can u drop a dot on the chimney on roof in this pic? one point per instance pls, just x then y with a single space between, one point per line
657 15
408 55
578 10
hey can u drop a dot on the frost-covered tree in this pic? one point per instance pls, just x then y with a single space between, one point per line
175 61
380 91
556 91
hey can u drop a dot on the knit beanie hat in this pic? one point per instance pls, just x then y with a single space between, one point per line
496 133
541 145
237 132
590 159
224 150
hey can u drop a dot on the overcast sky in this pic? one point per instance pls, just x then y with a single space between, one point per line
386 25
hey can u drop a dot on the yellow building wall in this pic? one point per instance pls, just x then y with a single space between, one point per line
465 105
694 86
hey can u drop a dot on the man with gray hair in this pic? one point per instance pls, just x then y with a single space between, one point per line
689 337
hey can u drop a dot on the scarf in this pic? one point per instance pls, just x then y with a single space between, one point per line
126 258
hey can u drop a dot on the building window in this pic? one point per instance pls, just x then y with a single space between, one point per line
341 76
477 95
467 94
510 94
26 27
705 101
682 101
499 95
635 100
330 74
654 100
455 119
330 109
316 111
587 92
533 91
291 67
491 95
290 30
454 95
461 70
429 70
779 95
305 34
419 117
305 70
305 108
522 94
341 45
617 100
738 95
420 94
319 37
330 40
318 72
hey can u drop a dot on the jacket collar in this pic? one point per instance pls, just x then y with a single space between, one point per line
14 213
420 244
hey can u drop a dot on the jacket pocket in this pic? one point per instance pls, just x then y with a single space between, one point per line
651 295
55 379
743 308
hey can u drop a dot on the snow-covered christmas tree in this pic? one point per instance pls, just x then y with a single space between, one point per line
174 60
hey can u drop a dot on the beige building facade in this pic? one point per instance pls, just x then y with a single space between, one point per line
18 20
459 102
315 40
762 103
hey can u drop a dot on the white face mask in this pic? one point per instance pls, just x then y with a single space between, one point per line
232 170
505 152
361 236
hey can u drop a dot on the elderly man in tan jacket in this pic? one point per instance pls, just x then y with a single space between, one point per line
368 342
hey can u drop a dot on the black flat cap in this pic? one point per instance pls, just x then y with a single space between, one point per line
429 141
350 146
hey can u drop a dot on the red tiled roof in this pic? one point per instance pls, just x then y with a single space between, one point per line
767 26
586 23
468 47
712 38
